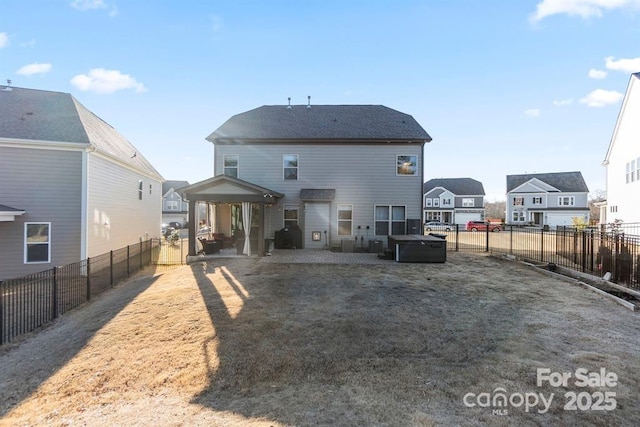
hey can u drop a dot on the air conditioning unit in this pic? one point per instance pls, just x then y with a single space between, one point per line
347 245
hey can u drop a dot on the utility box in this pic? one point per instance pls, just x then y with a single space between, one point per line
375 246
347 245
414 248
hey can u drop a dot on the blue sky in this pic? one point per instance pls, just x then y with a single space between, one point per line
503 87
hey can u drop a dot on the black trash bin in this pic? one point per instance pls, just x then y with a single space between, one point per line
288 238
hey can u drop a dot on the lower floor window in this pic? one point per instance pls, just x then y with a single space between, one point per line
290 215
518 216
345 220
37 240
390 220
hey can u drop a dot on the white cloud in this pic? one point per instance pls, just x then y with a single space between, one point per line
597 74
601 98
581 8
35 68
532 112
100 80
631 65
83 5
88 4
4 40
563 102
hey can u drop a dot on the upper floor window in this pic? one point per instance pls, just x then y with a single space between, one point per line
231 165
537 200
139 190
518 201
172 205
406 165
436 202
345 220
632 173
37 242
566 201
468 203
150 188
428 202
290 166
446 202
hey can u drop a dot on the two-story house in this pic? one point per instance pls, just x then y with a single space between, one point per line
336 172
547 199
453 200
174 207
71 186
623 161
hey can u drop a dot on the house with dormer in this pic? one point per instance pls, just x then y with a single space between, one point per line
336 175
547 199
453 200
623 161
71 186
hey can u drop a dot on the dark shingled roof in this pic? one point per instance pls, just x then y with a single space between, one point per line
321 123
566 182
458 186
5 208
57 117
308 194
176 185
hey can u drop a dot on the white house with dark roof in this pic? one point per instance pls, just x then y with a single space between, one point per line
71 186
338 172
623 161
453 200
174 207
547 199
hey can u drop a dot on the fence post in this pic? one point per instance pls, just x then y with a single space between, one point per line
128 273
542 244
55 293
111 268
140 253
583 258
1 312
88 279
486 246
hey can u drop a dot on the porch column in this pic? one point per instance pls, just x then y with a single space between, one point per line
192 228
261 248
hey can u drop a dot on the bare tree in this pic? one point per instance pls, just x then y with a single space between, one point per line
495 209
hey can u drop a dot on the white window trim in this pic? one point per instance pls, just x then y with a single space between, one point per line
390 221
236 167
350 209
468 202
290 208
140 189
26 261
407 174
428 202
297 168
572 200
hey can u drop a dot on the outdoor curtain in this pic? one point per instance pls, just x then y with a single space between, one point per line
246 221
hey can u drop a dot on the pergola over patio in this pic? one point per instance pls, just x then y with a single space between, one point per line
224 190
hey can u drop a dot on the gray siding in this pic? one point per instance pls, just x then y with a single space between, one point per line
116 217
47 184
362 175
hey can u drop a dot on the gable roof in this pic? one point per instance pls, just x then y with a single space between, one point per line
224 188
457 186
566 182
301 123
57 117
634 79
176 185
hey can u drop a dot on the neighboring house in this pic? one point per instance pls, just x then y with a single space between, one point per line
338 172
71 186
174 207
623 161
547 199
453 200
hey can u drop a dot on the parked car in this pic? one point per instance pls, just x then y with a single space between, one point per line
483 226
438 226
175 225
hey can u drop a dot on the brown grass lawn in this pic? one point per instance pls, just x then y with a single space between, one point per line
240 342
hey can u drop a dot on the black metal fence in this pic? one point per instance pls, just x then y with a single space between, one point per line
592 251
28 302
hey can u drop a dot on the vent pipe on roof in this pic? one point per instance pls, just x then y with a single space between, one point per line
8 88
309 101
289 106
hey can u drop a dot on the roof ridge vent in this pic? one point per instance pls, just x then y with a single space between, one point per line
289 106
